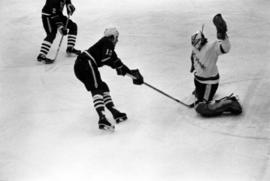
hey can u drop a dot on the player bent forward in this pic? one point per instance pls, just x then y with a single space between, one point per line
204 57
86 69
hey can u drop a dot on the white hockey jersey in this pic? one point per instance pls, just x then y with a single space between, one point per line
205 60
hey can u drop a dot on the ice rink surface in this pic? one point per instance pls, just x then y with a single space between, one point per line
48 126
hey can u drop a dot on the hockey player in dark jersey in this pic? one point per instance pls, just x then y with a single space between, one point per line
86 69
53 20
204 57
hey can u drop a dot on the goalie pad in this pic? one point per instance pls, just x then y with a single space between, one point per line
226 105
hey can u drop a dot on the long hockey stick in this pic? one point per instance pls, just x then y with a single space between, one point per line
160 91
62 37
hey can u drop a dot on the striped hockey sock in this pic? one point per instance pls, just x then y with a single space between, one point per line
98 104
108 100
45 47
71 41
117 115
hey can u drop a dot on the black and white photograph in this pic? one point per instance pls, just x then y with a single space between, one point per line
135 90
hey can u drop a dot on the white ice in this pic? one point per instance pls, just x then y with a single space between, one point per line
48 126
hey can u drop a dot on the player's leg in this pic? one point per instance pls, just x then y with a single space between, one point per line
72 37
226 105
51 31
204 92
117 115
230 104
88 74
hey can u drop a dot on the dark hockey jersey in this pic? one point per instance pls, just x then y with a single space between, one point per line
54 7
102 53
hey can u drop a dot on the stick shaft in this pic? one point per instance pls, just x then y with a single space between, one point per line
160 91
62 37
167 95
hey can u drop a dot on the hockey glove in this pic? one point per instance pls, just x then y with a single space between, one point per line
63 30
122 70
221 26
70 9
137 77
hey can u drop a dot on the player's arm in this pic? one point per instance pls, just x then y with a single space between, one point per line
192 62
70 7
109 57
223 39
123 70
117 64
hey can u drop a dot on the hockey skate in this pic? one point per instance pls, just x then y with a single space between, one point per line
104 124
43 58
119 116
72 51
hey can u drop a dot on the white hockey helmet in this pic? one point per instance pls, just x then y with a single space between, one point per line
111 32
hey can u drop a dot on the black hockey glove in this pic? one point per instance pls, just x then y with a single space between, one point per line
137 77
70 9
63 30
122 70
221 26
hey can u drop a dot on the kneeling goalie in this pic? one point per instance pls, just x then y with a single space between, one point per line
206 77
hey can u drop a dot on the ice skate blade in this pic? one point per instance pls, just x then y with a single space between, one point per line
104 127
43 62
120 119
71 55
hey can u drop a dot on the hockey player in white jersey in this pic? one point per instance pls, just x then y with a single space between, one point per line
204 58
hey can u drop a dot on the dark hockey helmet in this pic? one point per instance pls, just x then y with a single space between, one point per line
198 40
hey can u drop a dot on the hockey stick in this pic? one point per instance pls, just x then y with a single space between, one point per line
160 91
57 51
202 27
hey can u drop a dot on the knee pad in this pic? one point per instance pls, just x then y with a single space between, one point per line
104 87
73 28
226 105
235 107
50 37
205 110
96 92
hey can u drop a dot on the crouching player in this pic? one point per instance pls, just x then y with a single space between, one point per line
204 57
86 69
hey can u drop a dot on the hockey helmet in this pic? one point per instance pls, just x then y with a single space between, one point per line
198 40
111 32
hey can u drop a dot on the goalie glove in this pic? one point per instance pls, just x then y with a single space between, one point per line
70 9
136 76
221 26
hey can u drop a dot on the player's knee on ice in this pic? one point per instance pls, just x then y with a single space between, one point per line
227 105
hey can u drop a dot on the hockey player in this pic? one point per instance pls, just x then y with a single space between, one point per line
86 69
53 20
204 57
